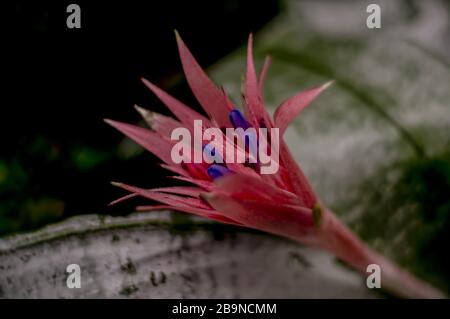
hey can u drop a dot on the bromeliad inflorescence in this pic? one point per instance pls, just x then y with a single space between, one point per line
241 192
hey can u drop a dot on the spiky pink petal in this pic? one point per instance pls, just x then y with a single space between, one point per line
151 141
162 124
298 180
286 220
253 104
210 97
196 171
184 113
180 190
175 169
168 199
123 198
197 212
290 108
177 203
249 187
207 185
263 74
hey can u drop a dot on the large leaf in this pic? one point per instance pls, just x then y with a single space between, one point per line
148 256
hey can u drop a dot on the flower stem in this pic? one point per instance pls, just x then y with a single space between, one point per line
337 238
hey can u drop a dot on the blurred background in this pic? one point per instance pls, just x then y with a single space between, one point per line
57 154
58 157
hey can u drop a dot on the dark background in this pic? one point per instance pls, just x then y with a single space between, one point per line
57 155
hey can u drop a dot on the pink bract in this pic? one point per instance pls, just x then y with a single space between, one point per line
283 203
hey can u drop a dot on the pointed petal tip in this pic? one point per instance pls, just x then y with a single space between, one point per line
119 200
210 97
116 124
150 85
146 82
146 114
117 184
177 35
250 43
139 108
110 122
327 85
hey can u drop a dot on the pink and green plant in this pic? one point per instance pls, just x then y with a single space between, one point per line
283 203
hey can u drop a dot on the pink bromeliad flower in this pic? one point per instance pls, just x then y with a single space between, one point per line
283 203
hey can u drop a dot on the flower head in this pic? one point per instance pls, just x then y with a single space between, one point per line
282 203
239 193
